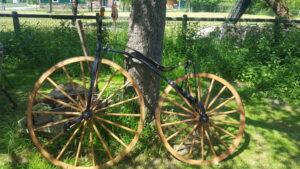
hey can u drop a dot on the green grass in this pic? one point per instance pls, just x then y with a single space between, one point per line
265 77
271 137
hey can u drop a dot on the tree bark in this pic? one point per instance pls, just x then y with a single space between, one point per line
280 8
238 10
50 6
146 32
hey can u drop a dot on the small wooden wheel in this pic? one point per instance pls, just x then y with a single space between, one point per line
101 139
185 135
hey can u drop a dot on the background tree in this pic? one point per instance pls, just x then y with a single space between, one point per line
90 5
280 8
50 6
145 34
125 4
238 10
206 5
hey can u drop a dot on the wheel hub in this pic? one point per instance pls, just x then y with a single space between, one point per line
87 115
201 110
204 118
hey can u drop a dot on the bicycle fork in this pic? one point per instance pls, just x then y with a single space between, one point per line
87 114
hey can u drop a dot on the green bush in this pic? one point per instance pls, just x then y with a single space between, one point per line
266 62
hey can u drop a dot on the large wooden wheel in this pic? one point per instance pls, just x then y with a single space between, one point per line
60 95
180 127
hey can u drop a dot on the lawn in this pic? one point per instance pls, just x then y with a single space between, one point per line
271 138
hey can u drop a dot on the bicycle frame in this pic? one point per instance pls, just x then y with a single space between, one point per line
151 64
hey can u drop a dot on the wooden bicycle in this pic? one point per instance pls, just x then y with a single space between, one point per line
83 116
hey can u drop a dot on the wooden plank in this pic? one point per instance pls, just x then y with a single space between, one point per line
82 38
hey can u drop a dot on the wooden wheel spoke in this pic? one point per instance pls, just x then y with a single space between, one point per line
69 141
210 143
112 95
218 137
51 124
223 121
222 104
80 143
180 106
177 122
83 81
56 137
104 88
60 102
223 113
117 104
113 135
178 114
102 142
63 92
95 85
192 146
119 114
209 92
89 66
117 125
202 143
185 100
92 146
55 112
216 97
199 89
73 86
223 130
189 86
179 131
53 139
90 143
186 137
117 91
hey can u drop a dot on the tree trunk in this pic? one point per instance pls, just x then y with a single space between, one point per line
238 10
74 10
124 6
91 6
146 32
280 8
50 6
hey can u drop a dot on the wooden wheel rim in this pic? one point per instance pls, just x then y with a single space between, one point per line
235 142
59 65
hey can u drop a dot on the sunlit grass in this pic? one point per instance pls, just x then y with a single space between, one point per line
271 138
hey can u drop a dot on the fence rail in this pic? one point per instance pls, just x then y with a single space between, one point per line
184 19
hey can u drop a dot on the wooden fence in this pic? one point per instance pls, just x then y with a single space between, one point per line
15 16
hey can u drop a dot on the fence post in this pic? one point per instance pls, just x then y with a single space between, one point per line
16 21
1 58
184 23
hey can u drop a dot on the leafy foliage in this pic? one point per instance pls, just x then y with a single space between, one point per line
265 62
44 46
